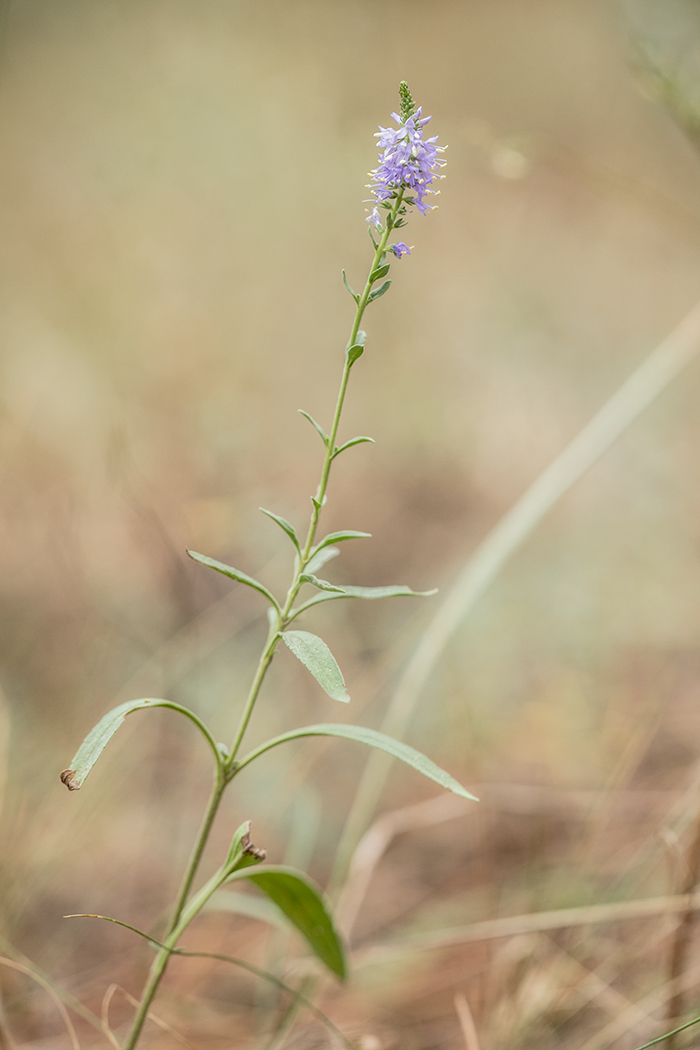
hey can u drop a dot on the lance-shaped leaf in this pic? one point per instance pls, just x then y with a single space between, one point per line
317 426
353 441
379 291
338 537
317 658
395 748
353 352
234 574
303 904
353 293
381 271
97 739
320 558
285 526
368 593
322 585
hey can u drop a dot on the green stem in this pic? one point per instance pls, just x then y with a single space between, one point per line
227 769
162 958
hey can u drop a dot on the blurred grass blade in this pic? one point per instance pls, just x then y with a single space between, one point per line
371 737
247 904
315 655
639 391
302 902
97 739
235 574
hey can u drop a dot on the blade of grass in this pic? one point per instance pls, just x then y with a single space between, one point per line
640 390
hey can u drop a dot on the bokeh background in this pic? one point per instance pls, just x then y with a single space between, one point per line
181 184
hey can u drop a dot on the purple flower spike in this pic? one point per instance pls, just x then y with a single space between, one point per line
408 162
400 249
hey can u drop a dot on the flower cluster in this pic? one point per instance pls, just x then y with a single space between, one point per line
408 162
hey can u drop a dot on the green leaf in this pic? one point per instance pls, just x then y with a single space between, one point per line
368 593
246 904
285 525
323 585
354 352
352 292
380 272
395 748
303 904
349 444
97 739
386 592
378 292
234 574
242 852
319 660
338 537
317 426
320 558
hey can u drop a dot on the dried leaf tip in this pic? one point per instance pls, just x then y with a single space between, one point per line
248 847
67 779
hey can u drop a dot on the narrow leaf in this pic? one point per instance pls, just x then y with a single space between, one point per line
285 525
319 660
303 904
317 426
352 292
323 585
349 444
386 592
395 748
233 574
368 593
321 557
378 292
97 739
380 272
338 537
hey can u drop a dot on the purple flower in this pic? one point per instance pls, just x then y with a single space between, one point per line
375 218
407 162
400 249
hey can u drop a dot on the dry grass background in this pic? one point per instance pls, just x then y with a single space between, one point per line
181 185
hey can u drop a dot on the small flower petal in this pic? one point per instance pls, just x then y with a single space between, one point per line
399 249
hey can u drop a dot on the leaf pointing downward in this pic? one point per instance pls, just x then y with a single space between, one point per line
315 655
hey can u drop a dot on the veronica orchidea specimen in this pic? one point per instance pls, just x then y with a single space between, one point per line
407 167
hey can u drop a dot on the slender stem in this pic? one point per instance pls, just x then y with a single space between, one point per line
198 850
284 617
263 664
168 945
183 912
161 960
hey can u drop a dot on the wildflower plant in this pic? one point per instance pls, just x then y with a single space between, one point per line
408 166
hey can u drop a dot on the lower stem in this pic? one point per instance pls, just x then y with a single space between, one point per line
159 964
